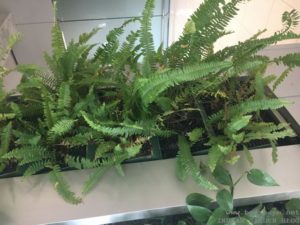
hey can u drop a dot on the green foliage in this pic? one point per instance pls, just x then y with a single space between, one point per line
28 154
146 38
62 127
150 89
96 111
62 187
225 200
189 166
260 178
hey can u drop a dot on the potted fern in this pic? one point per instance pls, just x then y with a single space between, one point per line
98 111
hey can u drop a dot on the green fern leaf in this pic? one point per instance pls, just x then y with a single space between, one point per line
248 107
64 97
146 38
189 165
85 37
6 136
149 89
62 187
58 44
28 154
62 127
36 167
93 179
281 78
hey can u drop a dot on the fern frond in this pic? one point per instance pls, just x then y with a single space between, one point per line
108 161
6 136
274 136
62 127
64 96
28 154
93 179
80 139
62 187
290 19
149 89
189 165
49 115
85 37
290 60
274 151
248 107
146 38
36 167
125 129
58 44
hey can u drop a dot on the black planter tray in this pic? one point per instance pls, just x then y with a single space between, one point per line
169 146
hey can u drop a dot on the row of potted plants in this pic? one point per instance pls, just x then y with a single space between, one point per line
103 109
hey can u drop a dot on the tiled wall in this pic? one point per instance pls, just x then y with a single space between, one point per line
254 15
81 16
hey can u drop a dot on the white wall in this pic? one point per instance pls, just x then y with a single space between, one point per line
253 16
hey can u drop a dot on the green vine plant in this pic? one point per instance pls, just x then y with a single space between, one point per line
98 110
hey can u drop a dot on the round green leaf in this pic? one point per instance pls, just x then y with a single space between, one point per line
260 178
224 199
200 214
223 176
197 199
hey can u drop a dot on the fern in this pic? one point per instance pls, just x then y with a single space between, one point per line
62 187
93 179
248 107
274 136
64 97
108 161
149 89
125 129
58 44
6 136
188 164
36 167
62 127
146 38
28 154
274 151
290 19
85 37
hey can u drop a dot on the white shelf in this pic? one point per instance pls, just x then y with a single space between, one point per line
146 186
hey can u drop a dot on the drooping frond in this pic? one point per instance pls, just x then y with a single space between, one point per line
62 187
188 164
35 167
93 179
